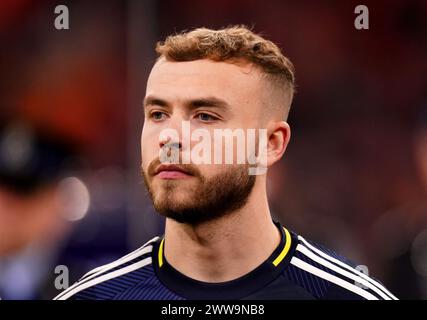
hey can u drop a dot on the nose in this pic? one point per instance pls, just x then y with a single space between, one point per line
170 140
172 136
170 144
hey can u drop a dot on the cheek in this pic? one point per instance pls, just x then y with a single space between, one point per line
208 171
149 143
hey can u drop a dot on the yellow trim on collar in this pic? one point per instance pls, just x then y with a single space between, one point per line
276 261
285 250
161 252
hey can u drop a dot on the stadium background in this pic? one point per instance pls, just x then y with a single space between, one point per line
353 178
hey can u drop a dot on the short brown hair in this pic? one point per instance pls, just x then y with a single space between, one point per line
228 44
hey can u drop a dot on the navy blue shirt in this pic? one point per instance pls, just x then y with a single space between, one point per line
297 269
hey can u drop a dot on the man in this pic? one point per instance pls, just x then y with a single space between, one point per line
220 241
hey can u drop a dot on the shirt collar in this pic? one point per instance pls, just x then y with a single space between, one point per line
238 288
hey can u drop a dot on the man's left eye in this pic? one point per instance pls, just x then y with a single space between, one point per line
206 117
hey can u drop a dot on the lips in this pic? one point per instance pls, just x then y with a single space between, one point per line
170 167
171 172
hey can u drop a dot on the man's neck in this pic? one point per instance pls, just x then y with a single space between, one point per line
224 249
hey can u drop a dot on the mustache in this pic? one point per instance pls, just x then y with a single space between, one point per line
191 169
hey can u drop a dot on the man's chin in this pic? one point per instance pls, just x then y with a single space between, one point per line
173 199
174 211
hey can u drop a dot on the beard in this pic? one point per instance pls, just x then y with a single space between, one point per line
201 199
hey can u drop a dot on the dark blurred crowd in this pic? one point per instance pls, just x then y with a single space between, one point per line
353 178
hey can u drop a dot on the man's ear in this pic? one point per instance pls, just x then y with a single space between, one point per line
279 134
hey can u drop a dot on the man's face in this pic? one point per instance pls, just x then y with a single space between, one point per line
207 95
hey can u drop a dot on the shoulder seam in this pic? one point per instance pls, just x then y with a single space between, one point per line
340 271
108 276
125 258
331 278
343 268
140 252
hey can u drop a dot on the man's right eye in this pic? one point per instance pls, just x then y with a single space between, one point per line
156 115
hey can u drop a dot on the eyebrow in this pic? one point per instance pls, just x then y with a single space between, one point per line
153 101
212 102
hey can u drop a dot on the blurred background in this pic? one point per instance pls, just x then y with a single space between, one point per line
354 177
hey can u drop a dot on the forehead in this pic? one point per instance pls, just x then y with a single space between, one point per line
204 77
